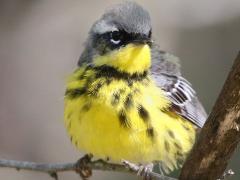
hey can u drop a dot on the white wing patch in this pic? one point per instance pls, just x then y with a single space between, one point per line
183 97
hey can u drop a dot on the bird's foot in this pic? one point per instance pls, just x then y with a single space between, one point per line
142 170
82 167
145 170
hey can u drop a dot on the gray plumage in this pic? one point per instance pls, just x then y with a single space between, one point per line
128 16
165 70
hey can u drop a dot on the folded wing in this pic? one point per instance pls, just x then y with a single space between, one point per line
166 74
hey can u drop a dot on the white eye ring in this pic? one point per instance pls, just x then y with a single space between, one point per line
115 42
115 37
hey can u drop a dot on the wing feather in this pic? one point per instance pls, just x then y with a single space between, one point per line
166 74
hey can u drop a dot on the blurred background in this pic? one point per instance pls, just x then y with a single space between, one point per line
41 41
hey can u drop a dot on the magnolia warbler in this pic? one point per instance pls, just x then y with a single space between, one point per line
127 99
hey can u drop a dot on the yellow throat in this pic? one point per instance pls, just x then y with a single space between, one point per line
131 58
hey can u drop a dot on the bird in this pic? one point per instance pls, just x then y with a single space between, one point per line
127 99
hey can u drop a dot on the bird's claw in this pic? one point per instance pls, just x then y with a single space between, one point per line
145 170
142 170
82 167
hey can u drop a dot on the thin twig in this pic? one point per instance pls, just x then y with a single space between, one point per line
53 169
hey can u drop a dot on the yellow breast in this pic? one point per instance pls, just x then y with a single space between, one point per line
117 119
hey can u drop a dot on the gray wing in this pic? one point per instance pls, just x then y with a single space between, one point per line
166 73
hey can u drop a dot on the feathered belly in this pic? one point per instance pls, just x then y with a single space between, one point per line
130 123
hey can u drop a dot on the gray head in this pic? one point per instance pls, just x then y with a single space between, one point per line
120 25
128 16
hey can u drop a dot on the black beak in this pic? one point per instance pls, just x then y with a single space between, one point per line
142 39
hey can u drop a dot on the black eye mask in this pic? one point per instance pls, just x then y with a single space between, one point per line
120 38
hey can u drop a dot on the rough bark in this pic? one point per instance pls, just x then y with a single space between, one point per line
219 136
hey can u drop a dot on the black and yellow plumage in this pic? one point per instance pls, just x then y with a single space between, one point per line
127 100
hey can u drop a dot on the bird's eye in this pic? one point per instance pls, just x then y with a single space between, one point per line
115 37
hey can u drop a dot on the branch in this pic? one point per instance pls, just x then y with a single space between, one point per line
220 135
209 157
53 169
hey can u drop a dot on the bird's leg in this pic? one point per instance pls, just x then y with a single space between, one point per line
82 166
145 170
142 170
